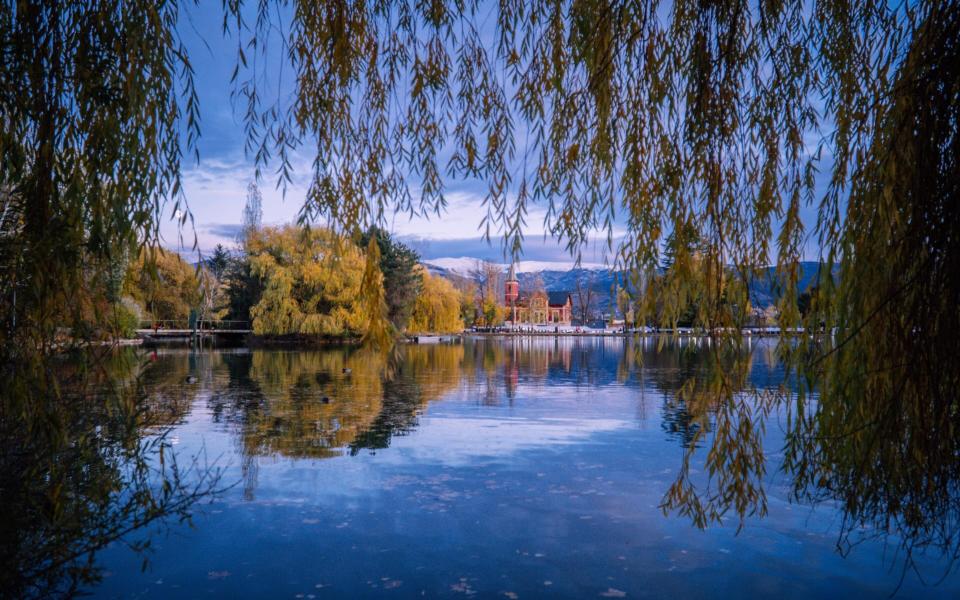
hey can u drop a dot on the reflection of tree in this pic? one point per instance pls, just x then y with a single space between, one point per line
320 404
680 373
231 402
424 374
679 423
717 399
875 465
884 469
79 470
170 396
295 420
708 390
892 467
275 400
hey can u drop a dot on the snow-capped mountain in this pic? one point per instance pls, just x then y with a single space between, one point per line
555 277
466 266
563 277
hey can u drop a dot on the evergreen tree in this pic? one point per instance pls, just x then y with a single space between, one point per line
401 281
243 289
218 261
681 280
806 300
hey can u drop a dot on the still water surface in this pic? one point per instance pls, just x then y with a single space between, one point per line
491 468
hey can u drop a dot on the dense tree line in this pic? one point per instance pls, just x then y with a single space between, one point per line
283 281
291 281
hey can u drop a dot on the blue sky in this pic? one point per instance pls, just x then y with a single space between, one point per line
216 187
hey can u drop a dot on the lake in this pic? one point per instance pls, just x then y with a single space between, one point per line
508 468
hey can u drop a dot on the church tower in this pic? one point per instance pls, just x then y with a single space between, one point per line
511 292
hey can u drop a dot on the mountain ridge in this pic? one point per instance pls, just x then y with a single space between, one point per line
465 265
764 289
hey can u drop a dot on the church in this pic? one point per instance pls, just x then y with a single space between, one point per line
538 307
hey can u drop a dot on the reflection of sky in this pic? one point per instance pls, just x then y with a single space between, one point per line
461 440
552 489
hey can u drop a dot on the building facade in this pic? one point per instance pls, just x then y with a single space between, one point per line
537 307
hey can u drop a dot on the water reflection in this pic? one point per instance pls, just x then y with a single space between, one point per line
321 404
336 401
484 427
88 466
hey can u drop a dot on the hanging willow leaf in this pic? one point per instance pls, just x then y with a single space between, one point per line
696 130
694 127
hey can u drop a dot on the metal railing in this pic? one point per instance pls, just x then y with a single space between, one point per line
198 325
222 324
165 324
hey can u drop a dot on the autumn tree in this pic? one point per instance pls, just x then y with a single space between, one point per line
98 109
489 278
625 305
492 313
468 302
252 210
437 308
311 283
164 284
585 293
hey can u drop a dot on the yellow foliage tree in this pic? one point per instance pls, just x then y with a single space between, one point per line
493 313
437 309
468 304
311 282
164 284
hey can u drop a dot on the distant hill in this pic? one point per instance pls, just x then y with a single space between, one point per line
765 289
556 277
465 265
559 277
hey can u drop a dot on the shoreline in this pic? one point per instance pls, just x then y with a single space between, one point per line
295 342
625 334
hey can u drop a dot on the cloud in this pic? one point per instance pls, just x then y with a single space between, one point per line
216 192
225 230
463 216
